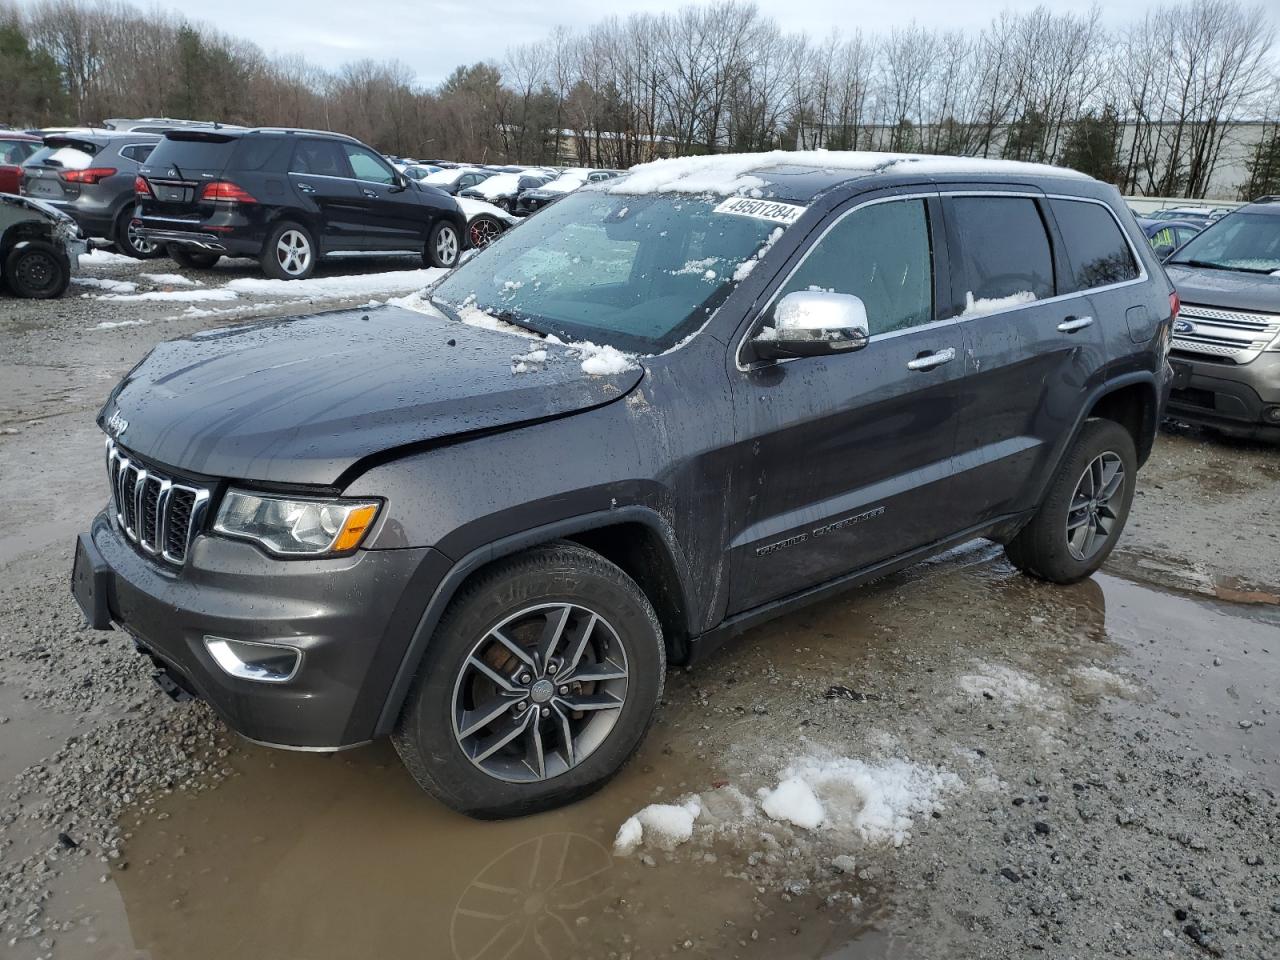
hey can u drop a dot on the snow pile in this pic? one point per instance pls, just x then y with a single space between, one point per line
499 185
358 285
179 296
473 208
111 286
101 258
603 361
113 324
731 173
521 363
1098 682
876 802
664 825
170 280
977 307
1013 687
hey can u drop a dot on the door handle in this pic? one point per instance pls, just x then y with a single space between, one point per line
305 187
372 194
1072 324
930 360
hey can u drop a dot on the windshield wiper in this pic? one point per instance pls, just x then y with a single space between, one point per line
1202 264
446 309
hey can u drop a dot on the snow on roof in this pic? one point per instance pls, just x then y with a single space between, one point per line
448 175
566 182
473 208
499 184
734 173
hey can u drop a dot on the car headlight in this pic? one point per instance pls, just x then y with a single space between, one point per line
296 526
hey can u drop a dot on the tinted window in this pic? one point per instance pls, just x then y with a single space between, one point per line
14 152
194 153
137 152
1096 247
882 254
368 165
1004 251
321 157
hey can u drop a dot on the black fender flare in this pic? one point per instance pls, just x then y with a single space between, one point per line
505 546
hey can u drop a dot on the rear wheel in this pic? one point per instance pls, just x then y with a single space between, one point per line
443 246
1088 503
130 244
193 259
539 684
290 253
37 270
483 230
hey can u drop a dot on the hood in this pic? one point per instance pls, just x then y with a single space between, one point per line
1227 289
302 400
36 206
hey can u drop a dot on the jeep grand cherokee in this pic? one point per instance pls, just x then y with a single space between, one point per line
484 534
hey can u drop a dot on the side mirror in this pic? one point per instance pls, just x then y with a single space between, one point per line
401 183
813 324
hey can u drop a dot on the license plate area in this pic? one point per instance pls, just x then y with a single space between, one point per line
43 188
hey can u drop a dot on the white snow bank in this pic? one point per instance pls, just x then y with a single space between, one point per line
473 208
357 285
664 825
99 258
876 801
731 173
1010 686
175 296
101 283
170 280
976 307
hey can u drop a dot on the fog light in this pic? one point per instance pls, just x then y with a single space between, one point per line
264 662
1272 414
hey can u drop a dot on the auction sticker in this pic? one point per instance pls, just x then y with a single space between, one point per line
771 210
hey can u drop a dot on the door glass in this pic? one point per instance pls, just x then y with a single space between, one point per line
880 253
319 157
1004 252
1096 247
367 166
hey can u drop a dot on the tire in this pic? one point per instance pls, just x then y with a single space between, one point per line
562 583
193 259
133 246
443 246
483 230
290 252
37 270
1042 548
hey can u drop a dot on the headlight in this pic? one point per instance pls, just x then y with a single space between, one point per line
296 527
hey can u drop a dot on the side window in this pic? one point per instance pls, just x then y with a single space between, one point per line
138 152
1004 252
367 165
881 253
319 157
1096 246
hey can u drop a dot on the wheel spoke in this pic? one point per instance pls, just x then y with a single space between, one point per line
583 703
502 681
1077 520
598 672
565 730
577 644
534 755
517 651
473 721
557 619
502 739
1113 482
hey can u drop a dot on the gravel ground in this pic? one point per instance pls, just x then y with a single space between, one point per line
1100 760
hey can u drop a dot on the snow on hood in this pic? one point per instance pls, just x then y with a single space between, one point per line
473 208
732 173
498 185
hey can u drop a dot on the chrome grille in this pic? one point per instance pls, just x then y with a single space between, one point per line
160 515
1233 335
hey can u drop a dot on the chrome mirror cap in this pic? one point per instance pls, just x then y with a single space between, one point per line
811 323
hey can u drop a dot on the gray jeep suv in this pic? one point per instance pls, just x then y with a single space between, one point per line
1226 342
667 408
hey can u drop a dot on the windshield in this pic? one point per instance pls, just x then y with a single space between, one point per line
635 272
1240 241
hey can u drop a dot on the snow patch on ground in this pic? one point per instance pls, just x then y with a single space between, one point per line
175 296
977 307
101 283
170 280
99 258
1096 681
1004 684
663 825
114 324
794 801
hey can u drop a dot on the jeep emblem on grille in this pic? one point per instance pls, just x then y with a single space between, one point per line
117 425
1183 326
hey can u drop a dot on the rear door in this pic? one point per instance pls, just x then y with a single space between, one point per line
846 461
391 216
323 183
1031 346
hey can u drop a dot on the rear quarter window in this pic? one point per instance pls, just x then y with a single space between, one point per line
1095 245
1004 252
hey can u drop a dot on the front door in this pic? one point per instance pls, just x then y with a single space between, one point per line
845 461
392 216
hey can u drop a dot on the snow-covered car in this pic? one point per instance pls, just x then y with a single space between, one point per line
419 171
531 201
455 179
40 247
502 189
485 222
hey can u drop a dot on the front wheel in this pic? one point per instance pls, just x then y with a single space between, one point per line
289 254
483 230
540 682
1078 524
443 246
37 270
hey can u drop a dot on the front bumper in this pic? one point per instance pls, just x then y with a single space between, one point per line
1242 399
350 618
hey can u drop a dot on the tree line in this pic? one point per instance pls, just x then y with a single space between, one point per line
1150 106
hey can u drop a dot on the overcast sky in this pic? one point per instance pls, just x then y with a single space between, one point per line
434 36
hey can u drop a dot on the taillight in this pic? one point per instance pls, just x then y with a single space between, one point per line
1175 304
89 175
226 192
141 187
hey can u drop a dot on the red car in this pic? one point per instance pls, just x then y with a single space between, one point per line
15 148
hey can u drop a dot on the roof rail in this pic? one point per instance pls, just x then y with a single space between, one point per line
1269 198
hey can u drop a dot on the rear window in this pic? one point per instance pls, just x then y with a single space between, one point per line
1095 245
193 154
68 158
1004 252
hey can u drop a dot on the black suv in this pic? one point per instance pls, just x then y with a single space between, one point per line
91 176
287 198
479 532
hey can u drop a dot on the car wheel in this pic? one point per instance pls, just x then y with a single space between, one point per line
483 230
443 246
193 259
130 244
37 270
540 682
289 253
1085 510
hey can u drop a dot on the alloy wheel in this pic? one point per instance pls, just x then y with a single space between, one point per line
1093 511
293 252
539 692
144 248
483 232
447 246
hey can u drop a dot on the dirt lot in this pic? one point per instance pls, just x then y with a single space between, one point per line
1008 769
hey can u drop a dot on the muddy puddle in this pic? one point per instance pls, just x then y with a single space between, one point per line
303 856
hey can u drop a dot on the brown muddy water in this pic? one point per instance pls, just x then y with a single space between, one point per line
301 856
